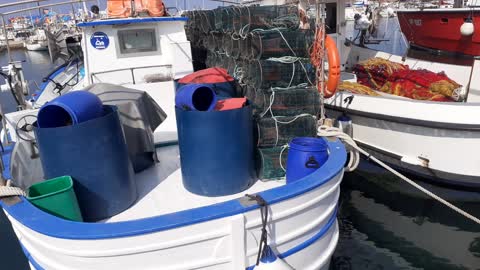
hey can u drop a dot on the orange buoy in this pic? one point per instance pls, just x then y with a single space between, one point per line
155 8
316 57
119 8
123 8
333 68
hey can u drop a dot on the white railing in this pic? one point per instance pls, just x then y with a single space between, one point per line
146 74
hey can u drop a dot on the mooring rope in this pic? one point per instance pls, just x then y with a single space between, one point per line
7 190
264 214
326 131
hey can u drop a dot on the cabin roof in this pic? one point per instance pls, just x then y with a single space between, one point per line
131 21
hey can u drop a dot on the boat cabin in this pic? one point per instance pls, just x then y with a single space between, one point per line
122 51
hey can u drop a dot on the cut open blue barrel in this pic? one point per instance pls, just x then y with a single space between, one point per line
94 153
70 109
196 97
216 151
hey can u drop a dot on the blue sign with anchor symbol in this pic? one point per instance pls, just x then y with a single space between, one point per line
100 40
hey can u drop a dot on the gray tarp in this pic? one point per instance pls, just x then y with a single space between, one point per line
140 116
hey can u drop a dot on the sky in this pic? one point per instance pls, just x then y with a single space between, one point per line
190 4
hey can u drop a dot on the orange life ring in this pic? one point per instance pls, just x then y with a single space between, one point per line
334 68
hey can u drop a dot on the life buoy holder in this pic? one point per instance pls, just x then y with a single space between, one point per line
333 55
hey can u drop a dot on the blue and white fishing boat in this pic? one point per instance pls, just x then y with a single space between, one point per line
167 226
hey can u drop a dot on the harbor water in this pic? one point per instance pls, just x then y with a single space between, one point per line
384 223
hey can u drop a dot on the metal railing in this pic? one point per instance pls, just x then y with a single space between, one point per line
39 7
94 75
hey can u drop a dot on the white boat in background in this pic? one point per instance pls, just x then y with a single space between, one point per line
38 41
37 46
436 140
169 227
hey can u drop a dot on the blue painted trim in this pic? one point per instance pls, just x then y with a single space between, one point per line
309 242
41 222
132 21
6 157
313 239
44 85
31 259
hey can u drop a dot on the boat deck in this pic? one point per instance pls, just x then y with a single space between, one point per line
160 190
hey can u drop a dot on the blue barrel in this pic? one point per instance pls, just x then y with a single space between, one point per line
216 151
223 89
305 156
196 97
70 109
94 154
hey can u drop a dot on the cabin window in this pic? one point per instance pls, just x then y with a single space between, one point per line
137 40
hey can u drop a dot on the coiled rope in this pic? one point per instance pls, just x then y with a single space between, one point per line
7 190
355 151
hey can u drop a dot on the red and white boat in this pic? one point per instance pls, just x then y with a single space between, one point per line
454 30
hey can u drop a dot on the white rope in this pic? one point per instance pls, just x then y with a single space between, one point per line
280 157
354 161
8 190
355 150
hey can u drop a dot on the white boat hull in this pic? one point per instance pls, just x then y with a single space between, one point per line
437 140
37 46
302 229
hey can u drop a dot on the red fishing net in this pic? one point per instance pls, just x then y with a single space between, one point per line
397 79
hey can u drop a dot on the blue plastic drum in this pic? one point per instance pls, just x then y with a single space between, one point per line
70 109
94 154
196 97
216 151
305 156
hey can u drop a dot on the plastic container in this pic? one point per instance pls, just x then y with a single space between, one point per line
216 151
57 197
222 90
196 97
305 156
216 78
70 109
94 154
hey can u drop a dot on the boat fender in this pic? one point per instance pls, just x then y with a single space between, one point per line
344 123
333 67
390 12
270 261
467 28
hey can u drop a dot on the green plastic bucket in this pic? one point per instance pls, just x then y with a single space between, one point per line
57 197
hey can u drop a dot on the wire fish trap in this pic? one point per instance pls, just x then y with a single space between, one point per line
272 73
204 20
279 130
289 101
271 162
212 59
224 19
264 17
244 47
281 42
231 43
256 98
215 41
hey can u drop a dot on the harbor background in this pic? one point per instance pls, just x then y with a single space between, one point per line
384 224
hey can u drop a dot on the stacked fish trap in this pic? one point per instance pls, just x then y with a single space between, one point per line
268 54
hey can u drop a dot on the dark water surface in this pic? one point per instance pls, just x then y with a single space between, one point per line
384 223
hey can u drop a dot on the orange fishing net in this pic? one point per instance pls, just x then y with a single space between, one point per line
357 88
